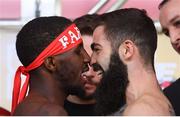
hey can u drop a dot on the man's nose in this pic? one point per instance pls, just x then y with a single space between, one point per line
93 60
90 71
88 74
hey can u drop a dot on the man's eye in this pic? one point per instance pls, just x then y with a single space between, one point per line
177 23
96 49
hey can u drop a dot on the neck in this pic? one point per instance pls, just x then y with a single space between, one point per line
141 81
46 87
78 100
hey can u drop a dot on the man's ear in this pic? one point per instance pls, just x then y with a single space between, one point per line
126 50
49 63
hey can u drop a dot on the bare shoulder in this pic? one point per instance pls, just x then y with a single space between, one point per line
39 108
149 105
52 109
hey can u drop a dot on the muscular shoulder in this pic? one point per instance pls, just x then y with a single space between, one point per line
52 109
147 105
38 109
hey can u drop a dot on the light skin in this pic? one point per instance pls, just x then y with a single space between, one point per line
143 94
90 77
170 21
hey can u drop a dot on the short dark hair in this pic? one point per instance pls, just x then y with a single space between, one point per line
87 23
36 35
162 3
133 24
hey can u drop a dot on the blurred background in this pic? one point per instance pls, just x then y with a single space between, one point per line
15 13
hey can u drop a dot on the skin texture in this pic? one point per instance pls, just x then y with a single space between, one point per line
52 82
91 73
110 94
91 78
170 21
143 94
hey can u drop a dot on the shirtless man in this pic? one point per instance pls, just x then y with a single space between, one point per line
83 105
170 22
52 54
124 45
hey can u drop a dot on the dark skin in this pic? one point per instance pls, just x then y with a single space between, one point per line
47 92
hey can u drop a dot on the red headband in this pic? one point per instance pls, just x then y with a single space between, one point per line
68 39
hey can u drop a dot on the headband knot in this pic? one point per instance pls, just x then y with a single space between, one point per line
23 70
67 40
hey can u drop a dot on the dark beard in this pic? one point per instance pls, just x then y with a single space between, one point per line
83 96
110 93
96 67
76 90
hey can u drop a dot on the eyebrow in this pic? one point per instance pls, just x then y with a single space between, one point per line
173 19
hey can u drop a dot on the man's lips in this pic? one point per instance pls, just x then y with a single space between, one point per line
89 86
87 82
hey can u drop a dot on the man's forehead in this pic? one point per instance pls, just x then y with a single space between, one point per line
102 44
98 30
99 35
169 11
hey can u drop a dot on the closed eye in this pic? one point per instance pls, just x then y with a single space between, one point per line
95 47
177 23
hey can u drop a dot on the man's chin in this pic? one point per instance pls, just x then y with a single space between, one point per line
89 89
110 93
89 92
